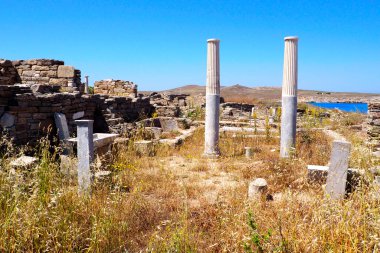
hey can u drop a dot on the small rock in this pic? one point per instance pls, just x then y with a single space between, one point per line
23 161
78 115
377 180
144 148
375 170
102 175
7 120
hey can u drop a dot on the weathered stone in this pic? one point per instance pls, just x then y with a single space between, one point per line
115 87
317 174
61 124
257 187
248 152
28 73
40 68
169 124
66 71
144 148
58 81
337 176
7 120
78 115
155 131
102 175
24 162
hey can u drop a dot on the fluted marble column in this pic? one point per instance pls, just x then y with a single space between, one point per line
212 100
289 97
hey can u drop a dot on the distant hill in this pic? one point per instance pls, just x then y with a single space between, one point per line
240 93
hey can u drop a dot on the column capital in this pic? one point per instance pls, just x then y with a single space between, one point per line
291 38
213 40
84 122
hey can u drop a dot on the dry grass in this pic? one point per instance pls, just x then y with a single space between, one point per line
178 201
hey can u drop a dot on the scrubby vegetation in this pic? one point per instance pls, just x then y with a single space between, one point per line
178 201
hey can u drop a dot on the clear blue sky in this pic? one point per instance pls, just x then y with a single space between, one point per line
162 44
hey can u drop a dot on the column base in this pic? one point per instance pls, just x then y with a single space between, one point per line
211 155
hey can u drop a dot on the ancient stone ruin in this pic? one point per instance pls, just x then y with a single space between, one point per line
373 129
31 91
40 71
115 88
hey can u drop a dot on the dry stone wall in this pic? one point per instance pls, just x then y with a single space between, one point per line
31 91
373 130
116 88
40 71
28 116
174 105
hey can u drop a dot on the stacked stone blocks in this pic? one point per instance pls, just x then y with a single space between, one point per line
28 116
116 88
374 125
39 71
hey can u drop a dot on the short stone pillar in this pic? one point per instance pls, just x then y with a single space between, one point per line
212 100
289 97
337 173
248 152
85 146
86 89
257 188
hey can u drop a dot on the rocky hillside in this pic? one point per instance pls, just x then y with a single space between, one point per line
240 93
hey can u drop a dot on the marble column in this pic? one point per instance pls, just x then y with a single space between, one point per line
289 97
212 100
86 89
85 146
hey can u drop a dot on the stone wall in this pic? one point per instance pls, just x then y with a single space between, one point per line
27 116
373 129
115 87
232 111
40 71
175 105
31 91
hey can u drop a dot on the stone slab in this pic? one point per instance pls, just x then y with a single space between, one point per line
78 115
7 120
169 124
23 161
61 124
337 175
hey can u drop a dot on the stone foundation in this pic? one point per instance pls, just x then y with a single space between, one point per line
175 105
27 116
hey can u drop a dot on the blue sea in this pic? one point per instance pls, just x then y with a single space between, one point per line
347 107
